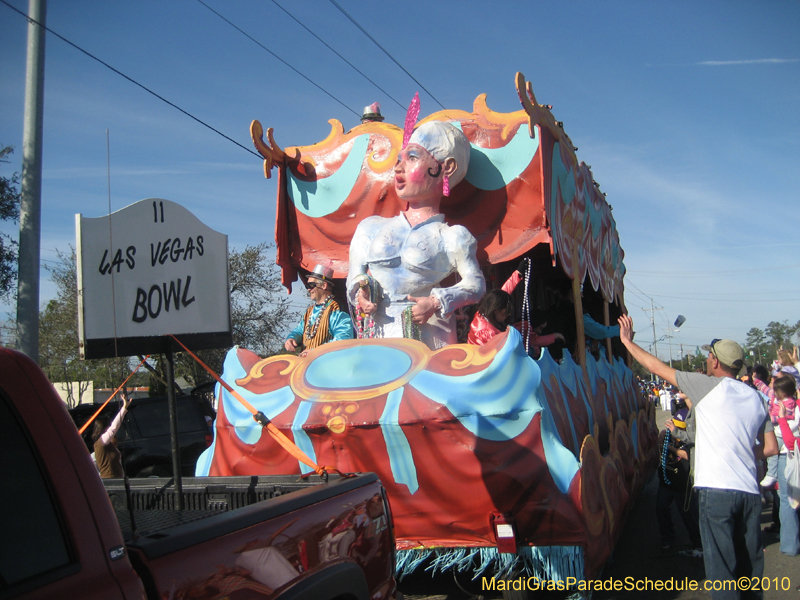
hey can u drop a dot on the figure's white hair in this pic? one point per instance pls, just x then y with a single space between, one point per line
444 140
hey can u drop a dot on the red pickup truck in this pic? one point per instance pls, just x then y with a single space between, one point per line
61 533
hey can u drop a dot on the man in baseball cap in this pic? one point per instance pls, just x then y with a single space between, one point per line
728 415
729 353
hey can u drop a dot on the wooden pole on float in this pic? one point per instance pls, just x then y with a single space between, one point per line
607 323
578 304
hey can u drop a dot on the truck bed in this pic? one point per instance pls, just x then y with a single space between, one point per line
154 501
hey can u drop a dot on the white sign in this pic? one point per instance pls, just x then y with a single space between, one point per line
149 270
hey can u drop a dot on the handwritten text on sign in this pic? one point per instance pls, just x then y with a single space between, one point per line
152 268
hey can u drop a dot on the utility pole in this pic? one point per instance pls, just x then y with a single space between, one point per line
30 211
669 341
653 323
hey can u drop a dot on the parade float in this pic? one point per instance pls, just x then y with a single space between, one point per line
493 462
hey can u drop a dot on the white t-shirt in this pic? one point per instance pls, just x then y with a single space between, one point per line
729 415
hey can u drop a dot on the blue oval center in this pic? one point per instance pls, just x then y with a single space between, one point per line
358 367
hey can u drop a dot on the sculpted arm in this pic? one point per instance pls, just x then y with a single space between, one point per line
461 248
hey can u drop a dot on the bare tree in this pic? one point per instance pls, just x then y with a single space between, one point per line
9 211
58 331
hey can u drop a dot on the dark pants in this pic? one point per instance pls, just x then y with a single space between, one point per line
730 524
689 515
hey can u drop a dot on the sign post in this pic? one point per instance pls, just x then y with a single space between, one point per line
145 272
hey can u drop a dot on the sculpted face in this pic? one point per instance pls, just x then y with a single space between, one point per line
412 179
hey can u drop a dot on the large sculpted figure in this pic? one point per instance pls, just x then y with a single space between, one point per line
397 264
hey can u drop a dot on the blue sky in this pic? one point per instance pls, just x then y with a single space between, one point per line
688 113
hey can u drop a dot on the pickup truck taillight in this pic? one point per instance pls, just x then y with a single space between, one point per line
209 439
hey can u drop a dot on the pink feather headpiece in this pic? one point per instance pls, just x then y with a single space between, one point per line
411 119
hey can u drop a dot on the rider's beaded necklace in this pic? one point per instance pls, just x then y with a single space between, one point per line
313 323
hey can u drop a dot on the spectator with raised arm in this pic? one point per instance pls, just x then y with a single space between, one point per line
732 431
106 454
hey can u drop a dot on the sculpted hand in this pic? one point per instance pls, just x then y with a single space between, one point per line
625 328
363 302
290 345
424 308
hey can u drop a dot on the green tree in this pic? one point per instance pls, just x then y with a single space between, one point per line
640 372
59 340
697 361
778 333
755 337
58 332
755 341
9 211
260 312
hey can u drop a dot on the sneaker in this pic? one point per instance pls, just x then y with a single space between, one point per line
768 481
693 553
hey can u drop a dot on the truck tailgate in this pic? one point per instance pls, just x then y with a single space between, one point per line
278 542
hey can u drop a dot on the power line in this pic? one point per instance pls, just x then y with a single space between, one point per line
255 41
337 54
630 291
749 300
120 73
386 52
639 296
629 302
751 295
688 275
642 294
761 296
